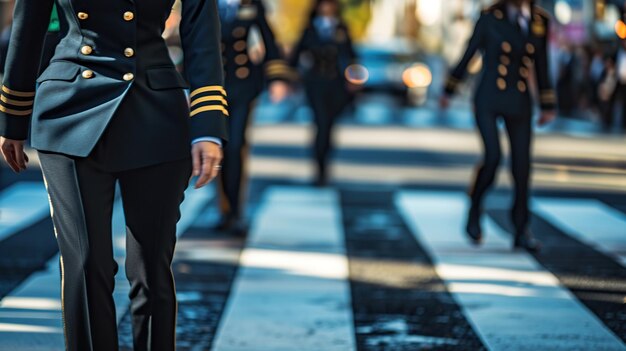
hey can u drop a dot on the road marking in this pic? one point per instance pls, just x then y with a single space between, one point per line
512 302
30 317
590 221
292 289
22 205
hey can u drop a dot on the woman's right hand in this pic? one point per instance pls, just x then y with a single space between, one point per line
13 153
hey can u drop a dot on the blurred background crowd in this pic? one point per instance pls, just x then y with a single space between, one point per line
407 45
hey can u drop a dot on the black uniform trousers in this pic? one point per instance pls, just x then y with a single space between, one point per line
327 98
519 131
82 196
233 175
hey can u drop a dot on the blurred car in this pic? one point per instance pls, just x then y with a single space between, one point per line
394 68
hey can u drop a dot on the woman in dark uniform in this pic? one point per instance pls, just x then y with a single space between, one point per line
110 106
512 37
245 80
328 49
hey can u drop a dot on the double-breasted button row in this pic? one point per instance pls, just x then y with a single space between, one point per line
88 74
128 16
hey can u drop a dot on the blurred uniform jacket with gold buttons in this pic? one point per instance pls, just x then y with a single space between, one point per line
509 56
239 22
111 90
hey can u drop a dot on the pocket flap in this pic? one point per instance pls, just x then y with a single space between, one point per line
59 70
163 78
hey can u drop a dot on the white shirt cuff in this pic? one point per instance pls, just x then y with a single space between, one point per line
217 141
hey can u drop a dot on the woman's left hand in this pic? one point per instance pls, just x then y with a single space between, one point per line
207 160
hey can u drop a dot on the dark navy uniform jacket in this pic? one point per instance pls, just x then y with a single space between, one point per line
244 79
323 61
111 80
509 55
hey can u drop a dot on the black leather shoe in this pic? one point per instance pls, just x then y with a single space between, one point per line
473 229
526 241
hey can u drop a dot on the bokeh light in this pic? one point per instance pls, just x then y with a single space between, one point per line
357 74
563 12
417 76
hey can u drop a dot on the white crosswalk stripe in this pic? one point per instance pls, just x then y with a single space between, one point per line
512 302
22 205
292 289
590 221
30 317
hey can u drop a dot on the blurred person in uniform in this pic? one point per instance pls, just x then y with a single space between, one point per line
325 51
607 85
618 99
566 83
512 37
245 80
109 107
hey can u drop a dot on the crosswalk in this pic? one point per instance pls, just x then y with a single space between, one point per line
293 287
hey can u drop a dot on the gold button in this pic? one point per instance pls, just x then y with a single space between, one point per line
498 14
128 16
88 74
86 50
239 32
506 47
129 77
501 84
521 86
129 52
83 16
505 60
530 48
240 45
242 72
241 59
527 61
523 71
502 70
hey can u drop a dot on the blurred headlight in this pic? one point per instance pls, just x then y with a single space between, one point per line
417 76
620 29
357 74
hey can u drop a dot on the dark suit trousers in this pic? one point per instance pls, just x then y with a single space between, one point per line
82 196
242 98
327 99
519 131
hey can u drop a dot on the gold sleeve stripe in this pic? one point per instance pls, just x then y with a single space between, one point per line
18 93
209 98
17 102
15 112
206 89
276 62
209 108
278 69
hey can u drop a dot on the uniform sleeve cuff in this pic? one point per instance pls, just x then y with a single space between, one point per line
214 140
547 99
279 70
451 85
